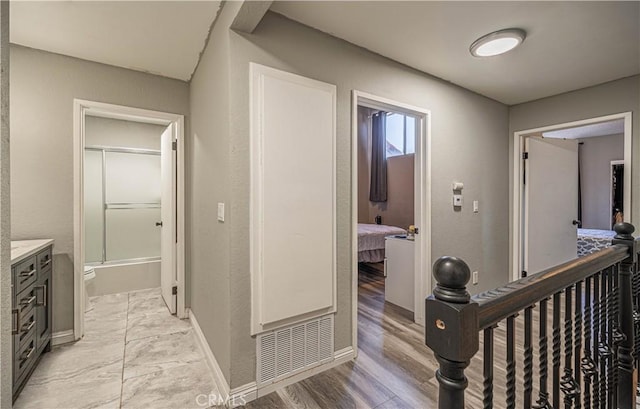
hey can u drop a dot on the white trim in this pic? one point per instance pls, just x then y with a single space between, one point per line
62 337
82 108
339 357
258 73
212 363
517 172
242 395
423 221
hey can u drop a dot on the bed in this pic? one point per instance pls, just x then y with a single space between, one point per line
592 240
371 241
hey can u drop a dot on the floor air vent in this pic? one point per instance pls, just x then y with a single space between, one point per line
287 351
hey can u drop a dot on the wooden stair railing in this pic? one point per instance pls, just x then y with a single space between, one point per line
595 323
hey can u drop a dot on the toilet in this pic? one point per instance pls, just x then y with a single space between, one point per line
89 276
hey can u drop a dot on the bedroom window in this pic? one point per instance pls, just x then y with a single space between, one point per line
401 135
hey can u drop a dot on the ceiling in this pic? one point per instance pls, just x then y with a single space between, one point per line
569 45
588 131
160 37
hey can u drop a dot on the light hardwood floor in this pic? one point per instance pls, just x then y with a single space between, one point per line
394 368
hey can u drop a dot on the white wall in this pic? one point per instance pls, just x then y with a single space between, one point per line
43 86
596 155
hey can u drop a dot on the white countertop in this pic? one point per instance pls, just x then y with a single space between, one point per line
21 249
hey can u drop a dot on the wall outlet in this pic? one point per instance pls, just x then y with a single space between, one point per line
474 278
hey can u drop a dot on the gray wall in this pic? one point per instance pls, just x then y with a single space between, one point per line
116 132
596 155
469 145
210 171
5 216
610 98
43 86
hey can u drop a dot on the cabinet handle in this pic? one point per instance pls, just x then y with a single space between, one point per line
17 329
24 302
385 267
46 263
27 355
44 295
27 273
27 328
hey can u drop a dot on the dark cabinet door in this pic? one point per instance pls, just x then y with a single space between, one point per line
43 310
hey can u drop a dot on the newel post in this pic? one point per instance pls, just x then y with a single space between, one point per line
451 329
626 385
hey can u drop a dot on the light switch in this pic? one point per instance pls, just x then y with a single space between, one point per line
220 212
457 200
476 207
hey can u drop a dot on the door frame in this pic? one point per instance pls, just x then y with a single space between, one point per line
517 238
422 181
82 109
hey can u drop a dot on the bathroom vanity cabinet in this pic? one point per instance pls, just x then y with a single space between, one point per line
31 297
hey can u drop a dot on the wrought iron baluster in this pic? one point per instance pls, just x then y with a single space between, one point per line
543 394
511 363
528 358
587 365
487 391
596 339
556 350
604 352
612 317
577 342
568 384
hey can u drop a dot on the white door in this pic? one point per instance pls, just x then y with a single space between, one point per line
550 203
168 277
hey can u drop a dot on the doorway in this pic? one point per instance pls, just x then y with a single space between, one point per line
407 202
564 199
129 204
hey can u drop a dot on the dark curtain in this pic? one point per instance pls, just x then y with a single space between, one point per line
378 186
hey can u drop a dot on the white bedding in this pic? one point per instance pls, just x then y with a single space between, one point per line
371 241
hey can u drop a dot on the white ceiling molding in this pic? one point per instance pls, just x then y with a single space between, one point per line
159 37
570 45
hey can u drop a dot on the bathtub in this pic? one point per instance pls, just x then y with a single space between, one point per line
124 276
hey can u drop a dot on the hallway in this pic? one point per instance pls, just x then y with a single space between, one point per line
134 355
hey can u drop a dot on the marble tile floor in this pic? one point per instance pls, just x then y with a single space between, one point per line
134 355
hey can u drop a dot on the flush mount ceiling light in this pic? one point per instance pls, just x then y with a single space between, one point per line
498 42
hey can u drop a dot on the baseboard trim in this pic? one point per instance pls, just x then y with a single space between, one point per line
339 357
62 337
242 395
212 363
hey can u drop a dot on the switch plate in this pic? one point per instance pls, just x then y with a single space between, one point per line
475 206
457 200
220 212
475 278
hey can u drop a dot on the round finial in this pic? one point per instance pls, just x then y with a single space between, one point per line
451 272
624 231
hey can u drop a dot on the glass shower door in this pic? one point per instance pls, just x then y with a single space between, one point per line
132 205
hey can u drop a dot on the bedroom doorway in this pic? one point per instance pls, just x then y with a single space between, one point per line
567 192
390 214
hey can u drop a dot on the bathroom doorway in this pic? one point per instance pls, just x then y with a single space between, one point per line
129 205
